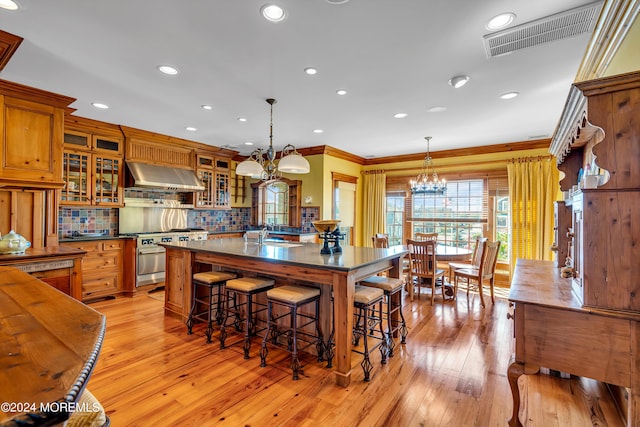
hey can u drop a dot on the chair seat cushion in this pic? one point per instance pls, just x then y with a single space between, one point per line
250 284
367 294
211 277
292 294
387 284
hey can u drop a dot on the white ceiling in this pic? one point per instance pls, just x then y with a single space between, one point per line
391 55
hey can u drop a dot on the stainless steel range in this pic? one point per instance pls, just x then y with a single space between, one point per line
152 222
150 257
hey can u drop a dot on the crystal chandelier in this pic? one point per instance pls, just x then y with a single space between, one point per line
259 167
428 182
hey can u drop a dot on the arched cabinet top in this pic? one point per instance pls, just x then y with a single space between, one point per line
600 127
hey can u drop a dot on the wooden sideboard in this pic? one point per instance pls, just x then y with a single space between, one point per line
554 330
588 323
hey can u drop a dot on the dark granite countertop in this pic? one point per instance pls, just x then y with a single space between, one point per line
86 238
293 253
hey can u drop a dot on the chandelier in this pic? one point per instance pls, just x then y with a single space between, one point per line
259 167
428 182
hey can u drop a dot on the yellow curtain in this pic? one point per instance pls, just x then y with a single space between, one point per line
374 202
533 187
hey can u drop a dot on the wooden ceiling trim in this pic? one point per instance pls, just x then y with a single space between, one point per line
471 151
8 45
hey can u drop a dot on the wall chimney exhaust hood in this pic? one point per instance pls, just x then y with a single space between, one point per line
162 177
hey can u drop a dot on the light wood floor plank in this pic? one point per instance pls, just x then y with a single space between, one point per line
452 372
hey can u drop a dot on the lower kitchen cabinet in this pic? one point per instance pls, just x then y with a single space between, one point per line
102 267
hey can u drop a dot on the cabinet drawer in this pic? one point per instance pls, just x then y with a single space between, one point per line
94 246
101 260
99 284
112 245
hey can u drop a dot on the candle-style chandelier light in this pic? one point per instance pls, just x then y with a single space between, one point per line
259 167
427 181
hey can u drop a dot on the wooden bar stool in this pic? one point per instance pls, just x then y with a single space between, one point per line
366 301
292 297
245 287
390 286
209 280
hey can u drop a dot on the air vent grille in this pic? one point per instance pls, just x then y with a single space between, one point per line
560 26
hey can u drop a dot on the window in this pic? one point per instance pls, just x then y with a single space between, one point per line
458 216
499 192
395 217
276 204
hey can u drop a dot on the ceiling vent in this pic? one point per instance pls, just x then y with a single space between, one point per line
560 26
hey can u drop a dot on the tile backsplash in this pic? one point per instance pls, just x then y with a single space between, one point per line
105 220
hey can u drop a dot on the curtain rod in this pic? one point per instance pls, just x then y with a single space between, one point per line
529 159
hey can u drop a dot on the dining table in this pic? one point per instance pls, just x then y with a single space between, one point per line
447 253
336 275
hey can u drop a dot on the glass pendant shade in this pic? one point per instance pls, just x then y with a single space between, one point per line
294 163
249 168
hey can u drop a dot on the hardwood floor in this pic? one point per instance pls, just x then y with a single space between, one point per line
451 372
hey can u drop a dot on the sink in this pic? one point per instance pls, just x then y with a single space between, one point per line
283 244
277 243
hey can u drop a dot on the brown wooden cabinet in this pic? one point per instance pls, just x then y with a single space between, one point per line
603 132
214 174
31 126
102 267
92 164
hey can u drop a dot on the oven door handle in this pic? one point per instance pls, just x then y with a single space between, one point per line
153 250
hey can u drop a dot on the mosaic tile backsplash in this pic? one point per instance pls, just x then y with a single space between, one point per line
105 220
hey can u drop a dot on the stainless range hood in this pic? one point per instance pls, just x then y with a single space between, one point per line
162 177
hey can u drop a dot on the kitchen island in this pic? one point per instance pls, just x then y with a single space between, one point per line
287 262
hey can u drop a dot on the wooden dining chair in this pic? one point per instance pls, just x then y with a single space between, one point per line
476 258
380 240
426 236
423 266
485 272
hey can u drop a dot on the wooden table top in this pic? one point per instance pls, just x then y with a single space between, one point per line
294 253
49 343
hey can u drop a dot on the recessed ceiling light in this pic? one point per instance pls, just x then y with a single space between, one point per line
242 119
167 69
458 81
509 95
248 143
207 107
273 13
311 71
337 1
318 131
400 115
500 21
341 92
191 129
437 109
8 4
100 105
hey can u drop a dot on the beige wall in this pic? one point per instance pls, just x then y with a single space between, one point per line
627 58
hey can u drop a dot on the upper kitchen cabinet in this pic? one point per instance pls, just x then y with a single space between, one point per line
92 163
214 173
31 135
